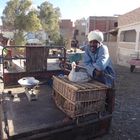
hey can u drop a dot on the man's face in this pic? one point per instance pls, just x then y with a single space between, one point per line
94 44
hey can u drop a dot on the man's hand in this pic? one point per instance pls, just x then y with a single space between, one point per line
98 73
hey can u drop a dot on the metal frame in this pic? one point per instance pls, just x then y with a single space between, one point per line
7 76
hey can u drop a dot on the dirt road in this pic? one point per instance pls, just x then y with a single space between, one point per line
126 116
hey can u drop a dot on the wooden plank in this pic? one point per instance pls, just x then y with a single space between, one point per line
62 80
89 85
74 84
95 86
36 58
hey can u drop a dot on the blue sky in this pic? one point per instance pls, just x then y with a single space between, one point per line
76 9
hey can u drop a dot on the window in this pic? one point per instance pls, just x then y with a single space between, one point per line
128 36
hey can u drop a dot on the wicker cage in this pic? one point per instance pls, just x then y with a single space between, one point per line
79 99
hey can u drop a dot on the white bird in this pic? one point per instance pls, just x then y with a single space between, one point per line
80 77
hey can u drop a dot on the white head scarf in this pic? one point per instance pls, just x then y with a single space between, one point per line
96 35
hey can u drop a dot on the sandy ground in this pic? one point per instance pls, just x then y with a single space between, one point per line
126 116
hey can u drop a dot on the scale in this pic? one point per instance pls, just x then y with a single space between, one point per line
31 86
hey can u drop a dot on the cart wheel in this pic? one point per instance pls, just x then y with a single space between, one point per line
132 67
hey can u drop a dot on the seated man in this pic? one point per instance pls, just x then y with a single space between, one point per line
97 60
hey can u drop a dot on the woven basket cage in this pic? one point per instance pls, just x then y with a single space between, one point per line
79 99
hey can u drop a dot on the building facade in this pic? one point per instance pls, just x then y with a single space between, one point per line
66 30
128 39
80 25
102 23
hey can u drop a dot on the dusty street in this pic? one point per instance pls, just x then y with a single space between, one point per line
126 116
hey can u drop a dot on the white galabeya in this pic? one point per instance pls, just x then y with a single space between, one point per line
80 77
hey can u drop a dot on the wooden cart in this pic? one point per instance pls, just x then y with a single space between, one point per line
133 64
134 61
42 119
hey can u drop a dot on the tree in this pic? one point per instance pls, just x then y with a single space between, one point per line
49 17
19 16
